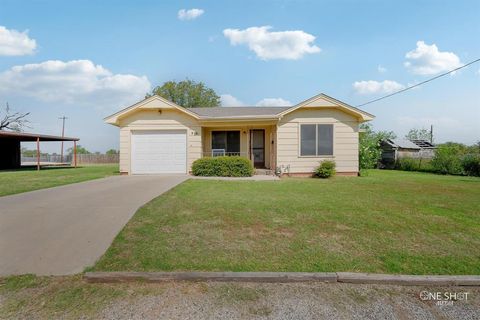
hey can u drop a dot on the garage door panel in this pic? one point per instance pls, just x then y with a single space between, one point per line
159 152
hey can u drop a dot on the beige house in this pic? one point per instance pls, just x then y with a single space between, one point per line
158 136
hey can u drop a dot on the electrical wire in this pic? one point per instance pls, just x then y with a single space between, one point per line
418 84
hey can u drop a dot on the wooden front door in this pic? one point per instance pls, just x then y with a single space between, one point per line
257 147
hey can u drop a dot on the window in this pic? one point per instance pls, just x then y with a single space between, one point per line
226 140
316 139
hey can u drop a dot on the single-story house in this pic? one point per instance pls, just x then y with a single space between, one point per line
159 136
394 149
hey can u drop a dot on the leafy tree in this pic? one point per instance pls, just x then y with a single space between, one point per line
112 151
369 146
14 121
447 159
30 153
419 134
187 93
80 150
455 148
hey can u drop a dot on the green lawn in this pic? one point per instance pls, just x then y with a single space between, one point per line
28 179
388 222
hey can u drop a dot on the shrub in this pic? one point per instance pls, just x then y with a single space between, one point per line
407 164
222 167
471 165
326 169
446 161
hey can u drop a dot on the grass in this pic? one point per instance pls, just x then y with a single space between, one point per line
28 179
388 222
71 297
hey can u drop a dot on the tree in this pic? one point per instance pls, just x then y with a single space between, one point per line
112 151
419 134
187 93
14 121
369 145
80 150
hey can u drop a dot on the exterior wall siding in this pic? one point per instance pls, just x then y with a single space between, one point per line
169 119
345 146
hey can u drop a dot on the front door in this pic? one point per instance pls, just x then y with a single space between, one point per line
257 146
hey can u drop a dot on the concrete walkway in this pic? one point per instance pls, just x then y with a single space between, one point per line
62 230
252 178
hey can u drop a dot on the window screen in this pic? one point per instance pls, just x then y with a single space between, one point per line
324 139
307 137
227 140
316 139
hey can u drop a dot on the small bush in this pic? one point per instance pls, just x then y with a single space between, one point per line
407 164
471 165
222 167
326 169
446 161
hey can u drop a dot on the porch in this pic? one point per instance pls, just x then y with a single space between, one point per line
257 143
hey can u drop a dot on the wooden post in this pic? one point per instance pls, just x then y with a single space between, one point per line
38 153
75 153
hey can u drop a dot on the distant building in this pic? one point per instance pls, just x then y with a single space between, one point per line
394 149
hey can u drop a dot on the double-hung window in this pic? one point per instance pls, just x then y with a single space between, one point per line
316 140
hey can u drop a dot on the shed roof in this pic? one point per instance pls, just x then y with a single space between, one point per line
402 143
23 136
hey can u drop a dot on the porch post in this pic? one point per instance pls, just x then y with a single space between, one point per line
38 153
75 153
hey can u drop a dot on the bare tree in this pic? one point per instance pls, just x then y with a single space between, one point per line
14 121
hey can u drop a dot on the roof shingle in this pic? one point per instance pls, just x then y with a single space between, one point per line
225 112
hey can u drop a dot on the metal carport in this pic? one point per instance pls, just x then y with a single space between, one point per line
10 156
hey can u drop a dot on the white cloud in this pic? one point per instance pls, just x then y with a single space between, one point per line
15 43
290 45
227 100
273 102
428 60
190 14
371 86
381 69
77 81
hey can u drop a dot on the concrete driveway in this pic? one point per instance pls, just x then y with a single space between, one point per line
62 230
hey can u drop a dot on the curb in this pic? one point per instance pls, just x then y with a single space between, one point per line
273 277
407 280
284 277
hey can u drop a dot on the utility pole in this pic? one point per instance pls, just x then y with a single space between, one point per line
63 134
431 133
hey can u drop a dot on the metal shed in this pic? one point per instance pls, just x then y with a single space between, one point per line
394 149
10 155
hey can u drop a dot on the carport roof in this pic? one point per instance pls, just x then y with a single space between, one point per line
23 136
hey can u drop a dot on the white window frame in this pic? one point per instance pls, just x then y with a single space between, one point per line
316 142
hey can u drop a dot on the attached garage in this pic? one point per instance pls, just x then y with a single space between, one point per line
159 151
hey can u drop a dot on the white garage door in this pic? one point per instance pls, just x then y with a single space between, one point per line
159 152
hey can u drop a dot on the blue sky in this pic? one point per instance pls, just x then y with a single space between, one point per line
87 59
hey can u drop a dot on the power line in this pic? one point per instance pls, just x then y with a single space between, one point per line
419 84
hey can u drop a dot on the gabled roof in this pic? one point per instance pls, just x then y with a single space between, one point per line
153 102
240 113
225 112
331 102
402 144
